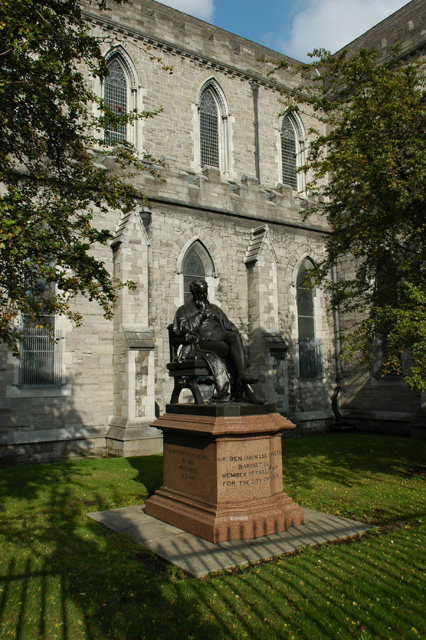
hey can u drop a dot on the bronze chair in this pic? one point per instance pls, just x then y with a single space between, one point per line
186 368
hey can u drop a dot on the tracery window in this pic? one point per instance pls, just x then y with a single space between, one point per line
209 130
213 123
196 264
192 269
115 96
292 148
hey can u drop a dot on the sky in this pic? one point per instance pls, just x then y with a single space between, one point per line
292 27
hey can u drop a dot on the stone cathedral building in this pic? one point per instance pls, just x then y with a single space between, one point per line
226 204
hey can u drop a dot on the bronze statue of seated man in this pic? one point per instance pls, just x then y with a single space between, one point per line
204 329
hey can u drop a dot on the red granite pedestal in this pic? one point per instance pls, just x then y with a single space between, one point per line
223 472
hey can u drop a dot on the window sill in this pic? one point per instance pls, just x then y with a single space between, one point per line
314 382
13 391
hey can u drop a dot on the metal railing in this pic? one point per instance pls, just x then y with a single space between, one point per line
41 359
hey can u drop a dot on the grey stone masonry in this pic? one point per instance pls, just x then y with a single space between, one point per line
407 26
248 229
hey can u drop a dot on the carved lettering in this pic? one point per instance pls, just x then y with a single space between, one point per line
189 454
250 469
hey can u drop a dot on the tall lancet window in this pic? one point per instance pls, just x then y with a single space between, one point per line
309 347
292 147
115 96
193 269
209 129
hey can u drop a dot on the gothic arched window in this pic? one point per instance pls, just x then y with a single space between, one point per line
209 130
115 96
292 146
197 264
309 348
213 128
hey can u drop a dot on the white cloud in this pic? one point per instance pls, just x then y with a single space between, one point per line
198 8
332 24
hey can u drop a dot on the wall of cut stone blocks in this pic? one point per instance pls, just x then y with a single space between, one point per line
100 370
232 62
115 371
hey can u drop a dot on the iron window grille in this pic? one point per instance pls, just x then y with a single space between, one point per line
41 359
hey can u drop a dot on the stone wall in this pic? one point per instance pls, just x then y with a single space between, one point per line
197 53
406 26
251 225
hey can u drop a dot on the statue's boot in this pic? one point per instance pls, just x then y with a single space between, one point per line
250 395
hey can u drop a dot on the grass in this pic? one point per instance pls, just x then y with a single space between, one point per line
65 576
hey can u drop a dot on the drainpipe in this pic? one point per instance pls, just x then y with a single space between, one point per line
255 89
337 349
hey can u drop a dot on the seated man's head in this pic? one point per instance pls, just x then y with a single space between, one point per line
198 289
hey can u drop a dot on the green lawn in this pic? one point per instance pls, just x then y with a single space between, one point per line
62 575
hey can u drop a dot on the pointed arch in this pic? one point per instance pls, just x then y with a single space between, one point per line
213 126
309 348
120 53
119 92
292 150
195 261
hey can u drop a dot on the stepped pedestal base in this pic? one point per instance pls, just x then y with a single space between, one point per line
223 472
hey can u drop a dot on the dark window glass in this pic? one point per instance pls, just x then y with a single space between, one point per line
193 269
309 347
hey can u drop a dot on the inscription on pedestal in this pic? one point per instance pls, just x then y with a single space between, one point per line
229 469
189 466
251 469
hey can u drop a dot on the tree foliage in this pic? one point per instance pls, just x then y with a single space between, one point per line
367 169
51 175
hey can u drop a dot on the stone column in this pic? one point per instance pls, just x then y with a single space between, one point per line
267 347
134 358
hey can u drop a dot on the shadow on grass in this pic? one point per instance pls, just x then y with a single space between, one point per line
65 576
364 477
150 471
350 458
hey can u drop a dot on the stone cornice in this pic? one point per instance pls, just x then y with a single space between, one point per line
174 49
259 219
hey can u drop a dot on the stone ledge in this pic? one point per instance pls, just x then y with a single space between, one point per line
64 391
365 414
306 416
51 435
